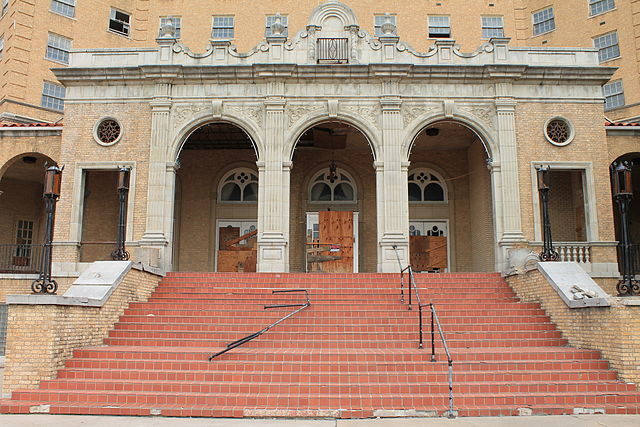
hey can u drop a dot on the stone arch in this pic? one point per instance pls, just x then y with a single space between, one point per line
478 128
4 167
182 135
293 134
333 9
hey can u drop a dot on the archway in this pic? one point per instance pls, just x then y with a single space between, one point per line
451 221
216 201
22 215
333 201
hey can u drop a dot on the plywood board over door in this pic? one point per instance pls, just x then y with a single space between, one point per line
336 227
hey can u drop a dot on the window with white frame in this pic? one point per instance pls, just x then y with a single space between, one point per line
439 27
53 96
596 7
378 20
64 7
613 95
5 6
24 238
175 21
607 45
58 48
492 26
332 186
119 22
426 186
239 185
222 28
1 46
270 19
543 21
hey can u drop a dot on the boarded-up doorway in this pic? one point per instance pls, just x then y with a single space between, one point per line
428 248
332 241
237 246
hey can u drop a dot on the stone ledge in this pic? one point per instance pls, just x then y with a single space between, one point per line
567 276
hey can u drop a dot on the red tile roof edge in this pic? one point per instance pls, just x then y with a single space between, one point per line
618 124
29 125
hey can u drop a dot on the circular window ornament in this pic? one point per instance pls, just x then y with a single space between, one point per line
107 131
559 131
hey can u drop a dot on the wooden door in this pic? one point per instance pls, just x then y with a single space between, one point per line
333 250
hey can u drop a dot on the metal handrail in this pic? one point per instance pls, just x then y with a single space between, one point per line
435 321
249 337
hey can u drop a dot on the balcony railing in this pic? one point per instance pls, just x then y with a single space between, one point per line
333 50
579 252
20 258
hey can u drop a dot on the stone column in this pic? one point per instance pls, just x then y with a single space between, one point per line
154 239
392 201
273 201
511 235
169 209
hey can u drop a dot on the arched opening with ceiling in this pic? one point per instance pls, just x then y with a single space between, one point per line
451 221
216 201
22 215
333 201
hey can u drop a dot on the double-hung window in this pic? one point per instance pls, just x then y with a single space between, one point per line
439 27
492 26
613 95
64 7
272 19
607 45
119 22
53 96
175 21
222 28
58 48
543 21
596 7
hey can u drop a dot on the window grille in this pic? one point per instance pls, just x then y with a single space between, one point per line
119 22
492 26
175 21
64 7
439 27
58 48
333 50
607 46
597 7
543 21
613 95
53 96
223 28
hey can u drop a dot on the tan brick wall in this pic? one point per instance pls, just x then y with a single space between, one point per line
14 147
23 286
100 216
615 330
566 206
34 354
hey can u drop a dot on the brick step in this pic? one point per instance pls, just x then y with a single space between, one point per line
355 300
334 386
140 309
333 343
327 400
387 293
408 327
461 377
332 321
348 356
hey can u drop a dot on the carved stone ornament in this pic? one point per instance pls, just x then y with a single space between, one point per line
295 112
183 113
485 113
410 112
252 112
371 113
388 28
277 28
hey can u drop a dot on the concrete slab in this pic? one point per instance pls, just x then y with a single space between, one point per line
532 421
576 288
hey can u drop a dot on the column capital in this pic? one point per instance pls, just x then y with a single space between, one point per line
390 104
160 105
275 104
378 165
506 105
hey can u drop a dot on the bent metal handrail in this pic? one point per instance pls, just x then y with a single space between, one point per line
435 321
249 337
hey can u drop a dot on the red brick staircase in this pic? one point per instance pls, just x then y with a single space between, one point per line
352 353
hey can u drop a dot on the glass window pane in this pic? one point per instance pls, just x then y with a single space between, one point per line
433 193
231 193
415 194
251 193
343 193
321 192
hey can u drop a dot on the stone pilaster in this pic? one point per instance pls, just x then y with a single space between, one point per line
154 238
392 202
273 201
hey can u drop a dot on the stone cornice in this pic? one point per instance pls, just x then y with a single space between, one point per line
184 74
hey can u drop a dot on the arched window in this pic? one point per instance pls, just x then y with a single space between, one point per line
426 186
239 185
332 187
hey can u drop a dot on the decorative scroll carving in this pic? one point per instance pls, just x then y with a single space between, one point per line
253 112
296 111
371 112
183 113
412 111
485 113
